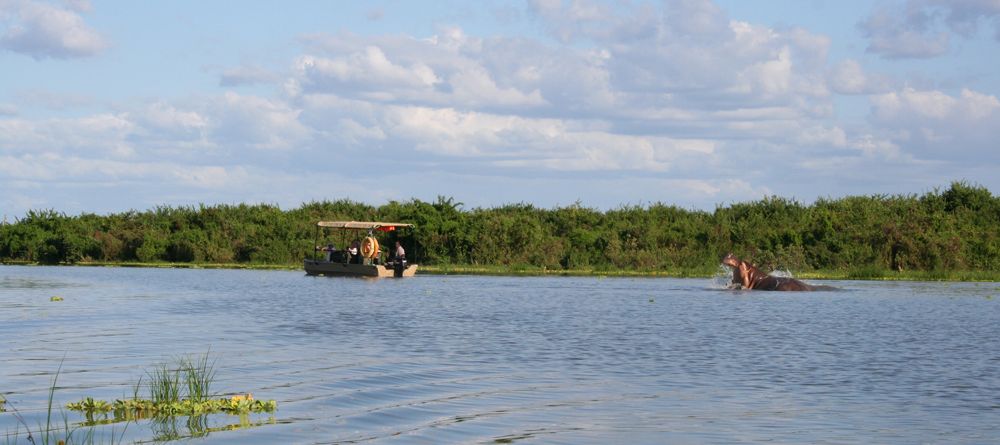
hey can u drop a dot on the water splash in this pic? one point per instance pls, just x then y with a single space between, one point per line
723 278
783 273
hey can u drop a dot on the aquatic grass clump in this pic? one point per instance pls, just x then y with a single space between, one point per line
165 384
183 388
199 375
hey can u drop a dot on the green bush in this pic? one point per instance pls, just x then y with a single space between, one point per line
951 230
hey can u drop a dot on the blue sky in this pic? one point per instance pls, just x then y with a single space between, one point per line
107 106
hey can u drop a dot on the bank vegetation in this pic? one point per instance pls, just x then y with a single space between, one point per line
943 233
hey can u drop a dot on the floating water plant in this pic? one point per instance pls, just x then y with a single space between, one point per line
56 298
166 384
143 408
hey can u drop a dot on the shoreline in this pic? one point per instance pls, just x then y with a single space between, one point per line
516 271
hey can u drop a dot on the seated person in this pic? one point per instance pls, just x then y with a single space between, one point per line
329 249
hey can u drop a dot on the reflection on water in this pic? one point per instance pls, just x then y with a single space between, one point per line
443 359
14 282
189 427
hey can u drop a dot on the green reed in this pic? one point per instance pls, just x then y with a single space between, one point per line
164 384
198 374
195 375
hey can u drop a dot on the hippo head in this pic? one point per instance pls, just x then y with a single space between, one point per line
731 260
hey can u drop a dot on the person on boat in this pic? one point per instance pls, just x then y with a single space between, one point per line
399 260
400 253
353 252
329 249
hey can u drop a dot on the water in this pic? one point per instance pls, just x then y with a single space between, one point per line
446 359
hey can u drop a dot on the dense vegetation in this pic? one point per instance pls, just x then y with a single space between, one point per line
950 230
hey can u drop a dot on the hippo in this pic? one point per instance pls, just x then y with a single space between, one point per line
750 277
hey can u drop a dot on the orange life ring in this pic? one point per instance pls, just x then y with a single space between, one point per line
369 247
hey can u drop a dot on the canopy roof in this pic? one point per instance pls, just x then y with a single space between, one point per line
360 225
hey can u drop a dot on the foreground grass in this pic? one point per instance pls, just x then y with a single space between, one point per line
860 273
178 389
52 433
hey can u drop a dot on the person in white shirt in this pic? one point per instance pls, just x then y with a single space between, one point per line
400 253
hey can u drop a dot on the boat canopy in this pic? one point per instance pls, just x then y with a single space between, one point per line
361 225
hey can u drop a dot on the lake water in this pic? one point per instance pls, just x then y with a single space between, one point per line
468 359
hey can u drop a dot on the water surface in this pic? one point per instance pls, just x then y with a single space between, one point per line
444 359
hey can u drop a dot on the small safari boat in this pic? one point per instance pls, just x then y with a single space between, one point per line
356 256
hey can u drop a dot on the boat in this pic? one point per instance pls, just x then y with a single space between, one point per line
364 257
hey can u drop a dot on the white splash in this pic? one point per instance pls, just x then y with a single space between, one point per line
723 278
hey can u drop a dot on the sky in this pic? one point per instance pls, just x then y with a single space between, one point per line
110 106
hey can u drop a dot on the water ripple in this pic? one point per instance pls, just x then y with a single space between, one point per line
503 360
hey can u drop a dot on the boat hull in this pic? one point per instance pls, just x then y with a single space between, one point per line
338 269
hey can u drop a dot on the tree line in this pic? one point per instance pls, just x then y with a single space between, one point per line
942 230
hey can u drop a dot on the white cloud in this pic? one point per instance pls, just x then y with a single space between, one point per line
936 125
674 101
849 77
570 20
511 141
768 77
256 123
49 166
42 30
475 87
160 115
230 124
210 177
368 68
820 136
656 102
873 147
54 168
102 134
445 69
726 190
164 128
934 106
355 133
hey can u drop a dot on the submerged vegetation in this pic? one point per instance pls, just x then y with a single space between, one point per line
942 233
